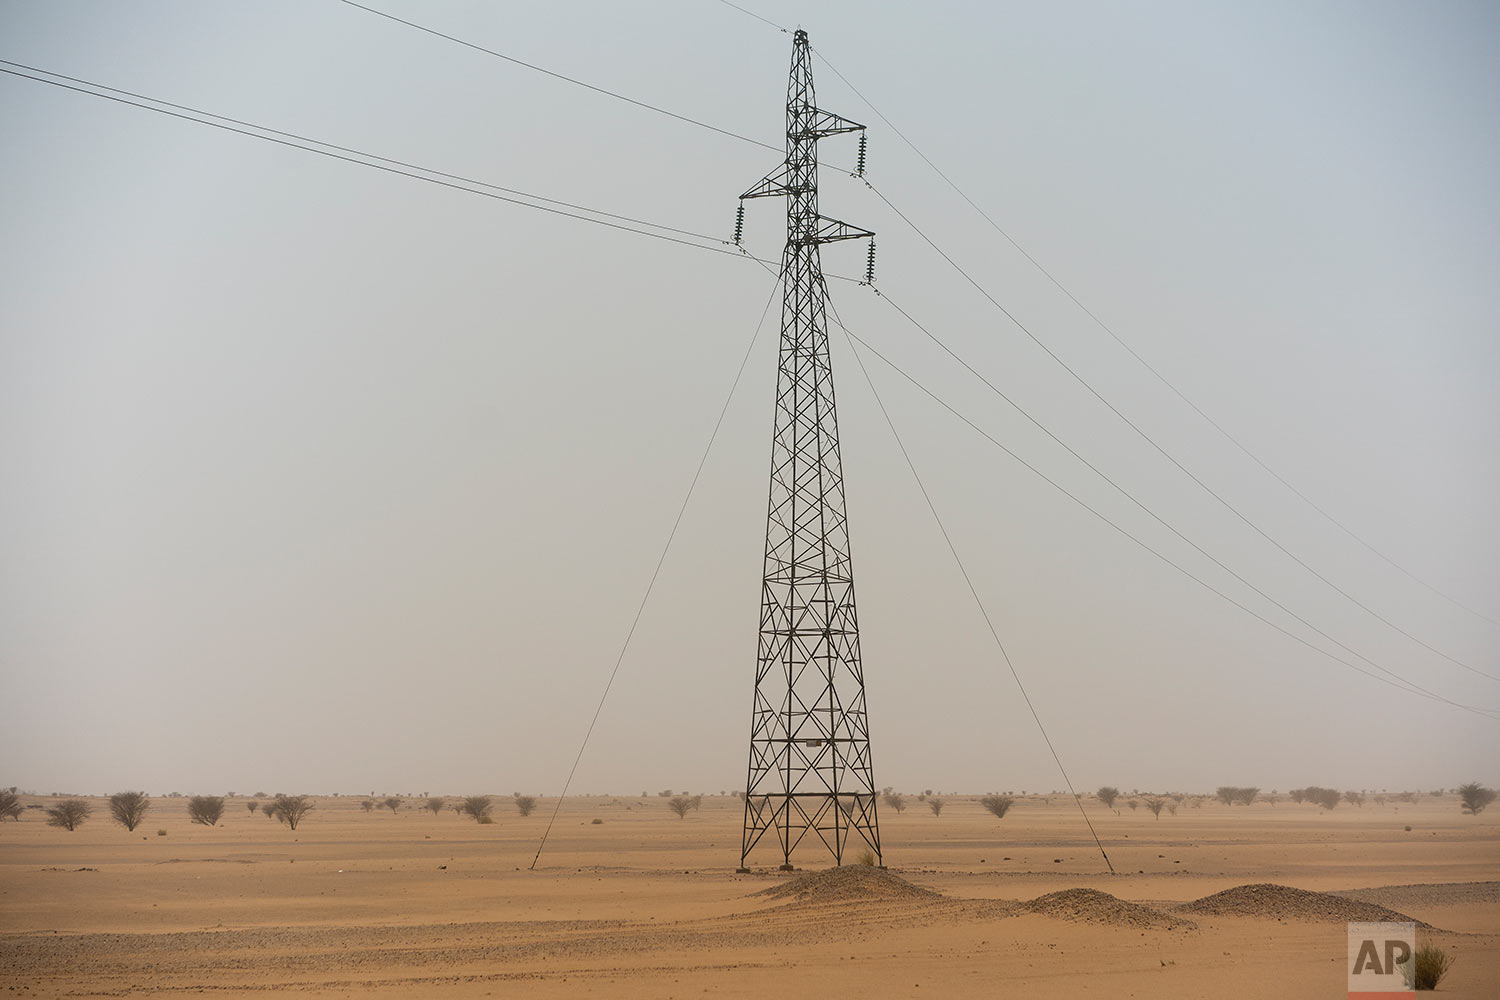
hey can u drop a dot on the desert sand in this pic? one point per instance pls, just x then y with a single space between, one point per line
644 904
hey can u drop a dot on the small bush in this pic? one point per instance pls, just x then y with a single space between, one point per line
68 814
525 804
128 808
936 805
485 820
477 806
1430 965
680 804
597 821
866 857
368 805
435 804
1107 795
1355 798
1156 805
1475 797
392 804
10 805
998 805
206 809
161 833
252 805
292 808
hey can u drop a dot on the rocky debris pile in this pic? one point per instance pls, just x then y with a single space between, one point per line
1427 894
1090 906
850 883
1282 902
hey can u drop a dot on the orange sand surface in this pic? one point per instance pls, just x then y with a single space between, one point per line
644 904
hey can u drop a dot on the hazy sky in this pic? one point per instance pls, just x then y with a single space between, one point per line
321 479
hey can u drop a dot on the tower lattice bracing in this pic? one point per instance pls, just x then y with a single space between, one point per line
810 772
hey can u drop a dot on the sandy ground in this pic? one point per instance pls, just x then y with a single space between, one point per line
643 904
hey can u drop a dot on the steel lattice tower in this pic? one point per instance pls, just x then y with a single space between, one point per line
810 769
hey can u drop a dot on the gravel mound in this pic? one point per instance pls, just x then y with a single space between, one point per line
851 883
1427 894
1090 906
1282 902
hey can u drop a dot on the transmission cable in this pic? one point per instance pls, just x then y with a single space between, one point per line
388 165
656 572
1162 451
1123 492
973 591
1136 355
562 76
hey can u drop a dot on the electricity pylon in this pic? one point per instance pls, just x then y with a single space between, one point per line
810 768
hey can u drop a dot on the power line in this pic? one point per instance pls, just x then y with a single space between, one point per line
656 572
1404 685
762 20
647 105
388 165
1162 451
455 182
973 591
563 76
1120 489
1163 379
358 152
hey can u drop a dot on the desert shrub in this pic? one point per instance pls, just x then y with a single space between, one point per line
1355 798
680 804
127 808
1297 795
477 806
936 805
392 804
1133 804
596 821
895 800
292 808
866 857
1225 794
1245 796
368 805
1155 805
10 805
252 805
269 809
162 832
69 813
696 802
435 804
525 804
206 809
1172 808
1327 798
999 805
1475 797
1107 795
485 820
665 793
1436 793
1429 965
